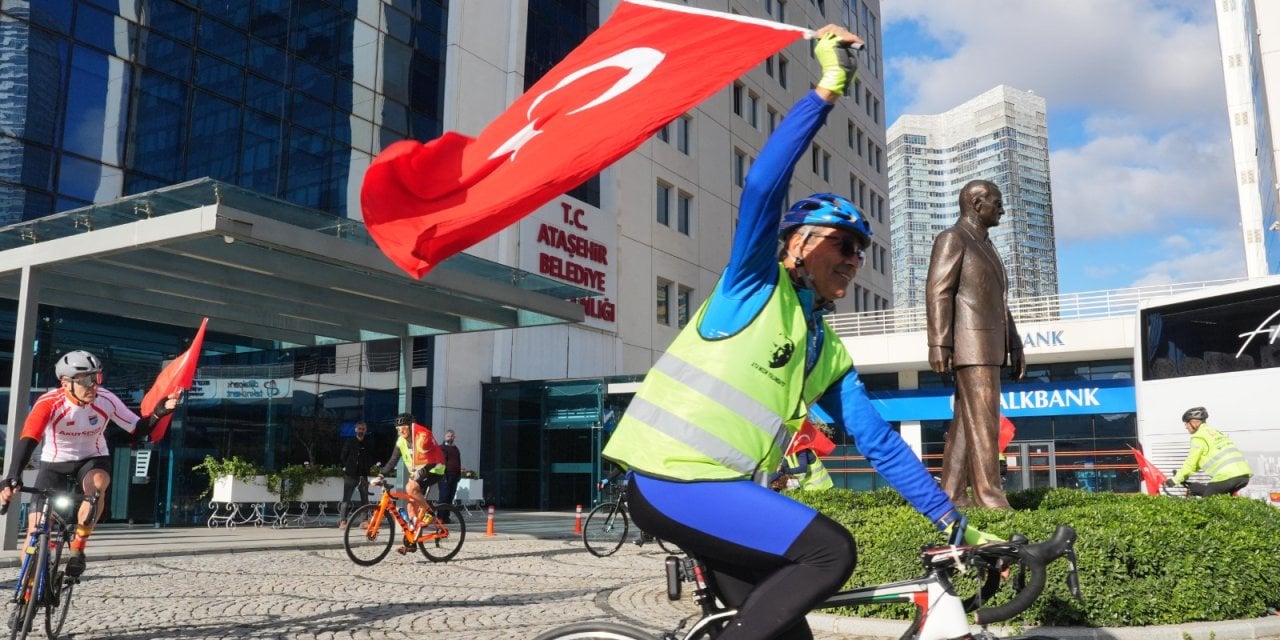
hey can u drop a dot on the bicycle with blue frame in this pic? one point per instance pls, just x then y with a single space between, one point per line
42 581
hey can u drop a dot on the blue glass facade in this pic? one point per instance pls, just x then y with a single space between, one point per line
284 97
291 98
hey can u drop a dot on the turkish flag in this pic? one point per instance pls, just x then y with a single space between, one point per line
649 63
811 437
1006 432
1151 476
176 376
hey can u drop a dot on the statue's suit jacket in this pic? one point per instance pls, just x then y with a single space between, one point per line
965 298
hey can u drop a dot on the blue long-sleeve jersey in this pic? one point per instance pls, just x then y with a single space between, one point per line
748 282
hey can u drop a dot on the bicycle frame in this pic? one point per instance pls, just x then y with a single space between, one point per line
387 506
940 612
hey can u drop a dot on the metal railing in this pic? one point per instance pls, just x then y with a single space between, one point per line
1067 306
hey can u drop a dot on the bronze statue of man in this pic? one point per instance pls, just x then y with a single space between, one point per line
971 332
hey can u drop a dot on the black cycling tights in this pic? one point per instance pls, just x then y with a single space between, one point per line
772 593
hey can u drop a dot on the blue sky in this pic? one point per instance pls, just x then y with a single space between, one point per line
1140 153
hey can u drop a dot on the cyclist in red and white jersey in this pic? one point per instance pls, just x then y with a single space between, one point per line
71 421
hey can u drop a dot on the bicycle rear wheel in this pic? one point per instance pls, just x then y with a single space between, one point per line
605 530
440 541
367 538
55 616
596 631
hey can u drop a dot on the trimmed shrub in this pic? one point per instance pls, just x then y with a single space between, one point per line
1142 560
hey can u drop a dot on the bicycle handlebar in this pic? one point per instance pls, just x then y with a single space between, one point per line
1033 558
4 508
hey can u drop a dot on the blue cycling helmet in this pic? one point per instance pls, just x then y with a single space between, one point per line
827 210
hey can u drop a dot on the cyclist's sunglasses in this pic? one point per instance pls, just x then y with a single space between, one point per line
850 247
87 380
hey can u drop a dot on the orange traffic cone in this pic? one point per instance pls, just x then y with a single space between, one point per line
577 522
488 529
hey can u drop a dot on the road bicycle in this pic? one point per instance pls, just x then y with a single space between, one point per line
42 581
371 533
608 523
940 614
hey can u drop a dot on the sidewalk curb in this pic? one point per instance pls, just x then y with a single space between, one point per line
1250 629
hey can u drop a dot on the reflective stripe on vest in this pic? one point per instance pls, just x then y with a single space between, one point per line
680 429
817 478
723 408
1222 458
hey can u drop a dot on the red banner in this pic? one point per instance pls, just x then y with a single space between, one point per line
811 437
1151 476
649 63
176 376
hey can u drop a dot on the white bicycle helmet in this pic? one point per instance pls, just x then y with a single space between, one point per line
75 363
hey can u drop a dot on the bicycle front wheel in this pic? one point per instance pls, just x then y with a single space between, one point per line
440 541
29 596
368 538
59 588
596 631
669 547
605 529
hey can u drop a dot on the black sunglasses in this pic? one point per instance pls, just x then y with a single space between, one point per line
850 246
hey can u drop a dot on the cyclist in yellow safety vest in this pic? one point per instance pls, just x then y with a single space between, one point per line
812 474
423 458
712 418
1211 453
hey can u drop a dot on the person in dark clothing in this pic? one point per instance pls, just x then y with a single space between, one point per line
452 471
355 471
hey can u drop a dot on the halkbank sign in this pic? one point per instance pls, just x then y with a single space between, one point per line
1074 397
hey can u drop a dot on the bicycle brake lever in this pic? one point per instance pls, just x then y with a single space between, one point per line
1073 580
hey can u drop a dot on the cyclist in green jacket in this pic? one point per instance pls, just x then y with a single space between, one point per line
1214 454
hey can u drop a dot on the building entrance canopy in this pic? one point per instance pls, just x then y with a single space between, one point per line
262 268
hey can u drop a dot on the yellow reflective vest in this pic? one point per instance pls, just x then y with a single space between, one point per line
724 408
815 476
1214 454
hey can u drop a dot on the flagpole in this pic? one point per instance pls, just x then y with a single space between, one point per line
809 34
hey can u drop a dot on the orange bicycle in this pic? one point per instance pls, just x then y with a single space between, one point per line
370 533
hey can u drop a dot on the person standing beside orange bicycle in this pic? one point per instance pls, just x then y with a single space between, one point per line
423 458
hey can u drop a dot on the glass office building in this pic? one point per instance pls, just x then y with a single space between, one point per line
289 98
103 99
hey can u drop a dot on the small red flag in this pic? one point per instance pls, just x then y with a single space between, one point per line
811 437
1151 476
1006 432
177 375
646 65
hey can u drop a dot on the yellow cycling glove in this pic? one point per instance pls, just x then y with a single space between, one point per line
839 66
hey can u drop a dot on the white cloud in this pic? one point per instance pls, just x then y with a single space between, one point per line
1101 55
1215 255
1143 154
1117 185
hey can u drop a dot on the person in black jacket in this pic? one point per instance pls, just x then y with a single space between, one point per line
452 471
355 471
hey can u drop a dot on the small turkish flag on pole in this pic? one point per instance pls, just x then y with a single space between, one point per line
1151 476
811 437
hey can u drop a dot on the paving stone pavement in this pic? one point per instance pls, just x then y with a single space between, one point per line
495 589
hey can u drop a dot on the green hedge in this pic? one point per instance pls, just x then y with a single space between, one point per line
1142 560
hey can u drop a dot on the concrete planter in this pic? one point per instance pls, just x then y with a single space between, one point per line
229 489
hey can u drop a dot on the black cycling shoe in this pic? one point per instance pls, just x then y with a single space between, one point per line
75 565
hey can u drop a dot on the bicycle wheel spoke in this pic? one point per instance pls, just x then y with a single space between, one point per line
439 540
367 540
